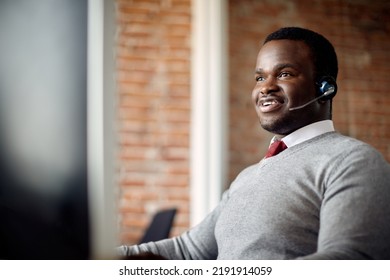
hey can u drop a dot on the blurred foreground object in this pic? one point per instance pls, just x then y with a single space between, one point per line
43 97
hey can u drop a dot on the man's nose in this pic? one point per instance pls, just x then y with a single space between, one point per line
268 86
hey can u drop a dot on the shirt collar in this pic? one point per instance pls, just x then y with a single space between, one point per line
307 132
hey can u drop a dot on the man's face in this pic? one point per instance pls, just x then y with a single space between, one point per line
285 78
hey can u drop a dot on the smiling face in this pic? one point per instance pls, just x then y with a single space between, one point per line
285 78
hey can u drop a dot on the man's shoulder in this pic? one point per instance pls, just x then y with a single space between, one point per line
335 144
337 139
349 147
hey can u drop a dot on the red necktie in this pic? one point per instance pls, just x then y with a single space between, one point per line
275 148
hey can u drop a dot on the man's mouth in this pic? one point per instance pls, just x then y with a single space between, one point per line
270 104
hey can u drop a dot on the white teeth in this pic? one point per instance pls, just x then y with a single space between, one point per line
267 103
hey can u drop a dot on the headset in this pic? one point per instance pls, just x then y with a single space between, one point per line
326 90
326 87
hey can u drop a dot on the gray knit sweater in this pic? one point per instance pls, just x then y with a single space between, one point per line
326 198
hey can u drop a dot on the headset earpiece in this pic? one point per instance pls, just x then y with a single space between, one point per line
327 87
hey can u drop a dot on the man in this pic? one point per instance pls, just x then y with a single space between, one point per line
326 196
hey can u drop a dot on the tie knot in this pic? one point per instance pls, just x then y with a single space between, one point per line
275 148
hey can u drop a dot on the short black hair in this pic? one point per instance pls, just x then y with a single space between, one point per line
324 55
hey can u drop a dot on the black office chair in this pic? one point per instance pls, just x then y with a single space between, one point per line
160 227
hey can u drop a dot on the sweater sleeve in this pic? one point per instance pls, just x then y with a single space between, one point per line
356 208
197 243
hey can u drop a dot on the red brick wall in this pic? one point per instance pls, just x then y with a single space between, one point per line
154 90
360 32
153 52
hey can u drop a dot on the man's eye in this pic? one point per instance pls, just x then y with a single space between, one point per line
284 74
259 79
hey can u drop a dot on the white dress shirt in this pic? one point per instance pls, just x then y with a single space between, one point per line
307 132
